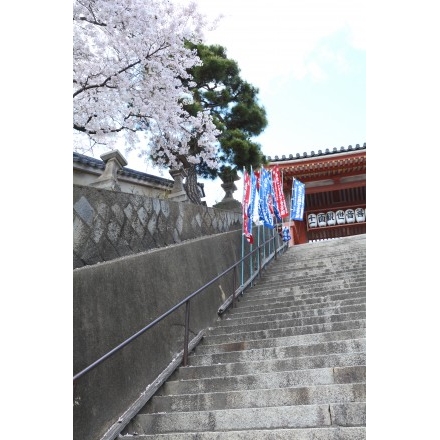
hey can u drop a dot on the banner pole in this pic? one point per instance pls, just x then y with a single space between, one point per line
251 259
242 235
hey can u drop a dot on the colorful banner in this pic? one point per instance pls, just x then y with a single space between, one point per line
247 208
279 194
298 200
255 185
265 198
272 201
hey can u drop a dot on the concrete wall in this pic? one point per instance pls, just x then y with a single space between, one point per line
129 185
110 224
115 299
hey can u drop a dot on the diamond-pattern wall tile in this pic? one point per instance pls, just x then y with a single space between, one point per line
84 210
111 224
128 211
118 212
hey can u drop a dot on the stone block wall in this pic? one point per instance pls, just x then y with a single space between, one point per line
110 224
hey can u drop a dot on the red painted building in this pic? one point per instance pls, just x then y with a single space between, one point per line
335 192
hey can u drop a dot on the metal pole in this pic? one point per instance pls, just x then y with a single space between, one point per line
186 339
234 287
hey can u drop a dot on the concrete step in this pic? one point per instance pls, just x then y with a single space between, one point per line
295 266
300 269
288 362
302 276
273 380
328 433
293 312
321 348
227 337
300 293
256 398
235 326
336 263
270 365
348 414
325 273
249 299
316 312
248 307
310 338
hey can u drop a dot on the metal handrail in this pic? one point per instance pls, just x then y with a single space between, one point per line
186 301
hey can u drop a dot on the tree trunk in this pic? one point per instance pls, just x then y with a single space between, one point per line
191 187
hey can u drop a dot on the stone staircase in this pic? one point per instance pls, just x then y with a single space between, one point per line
289 362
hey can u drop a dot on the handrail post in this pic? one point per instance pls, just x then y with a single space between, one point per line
259 259
186 338
234 286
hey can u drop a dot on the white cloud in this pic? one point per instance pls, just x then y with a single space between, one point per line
275 42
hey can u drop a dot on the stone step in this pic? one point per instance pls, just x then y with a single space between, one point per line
293 312
321 348
349 414
286 314
298 293
301 298
288 362
330 433
271 365
248 307
299 270
310 338
227 337
273 380
309 282
234 326
256 398
300 267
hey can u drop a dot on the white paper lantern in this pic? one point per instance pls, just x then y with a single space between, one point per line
360 214
349 215
322 220
340 217
313 220
331 218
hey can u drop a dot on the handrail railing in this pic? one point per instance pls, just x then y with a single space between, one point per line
186 301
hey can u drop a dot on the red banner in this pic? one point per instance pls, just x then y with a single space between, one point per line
278 189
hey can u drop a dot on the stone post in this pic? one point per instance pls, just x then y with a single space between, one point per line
178 193
229 188
114 161
228 202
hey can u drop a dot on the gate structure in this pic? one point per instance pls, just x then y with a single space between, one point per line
335 192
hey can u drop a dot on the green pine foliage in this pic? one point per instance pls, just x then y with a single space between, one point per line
233 103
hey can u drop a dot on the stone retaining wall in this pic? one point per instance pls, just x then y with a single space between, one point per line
110 224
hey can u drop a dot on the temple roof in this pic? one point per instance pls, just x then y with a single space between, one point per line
320 153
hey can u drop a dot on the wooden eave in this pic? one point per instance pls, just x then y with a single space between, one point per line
323 169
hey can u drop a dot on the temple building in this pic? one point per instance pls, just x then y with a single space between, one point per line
335 192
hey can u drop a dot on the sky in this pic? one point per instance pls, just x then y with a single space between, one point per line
308 60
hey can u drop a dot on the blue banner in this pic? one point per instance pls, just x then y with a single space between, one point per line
265 194
298 200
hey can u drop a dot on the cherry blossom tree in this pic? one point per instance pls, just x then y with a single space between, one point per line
131 80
